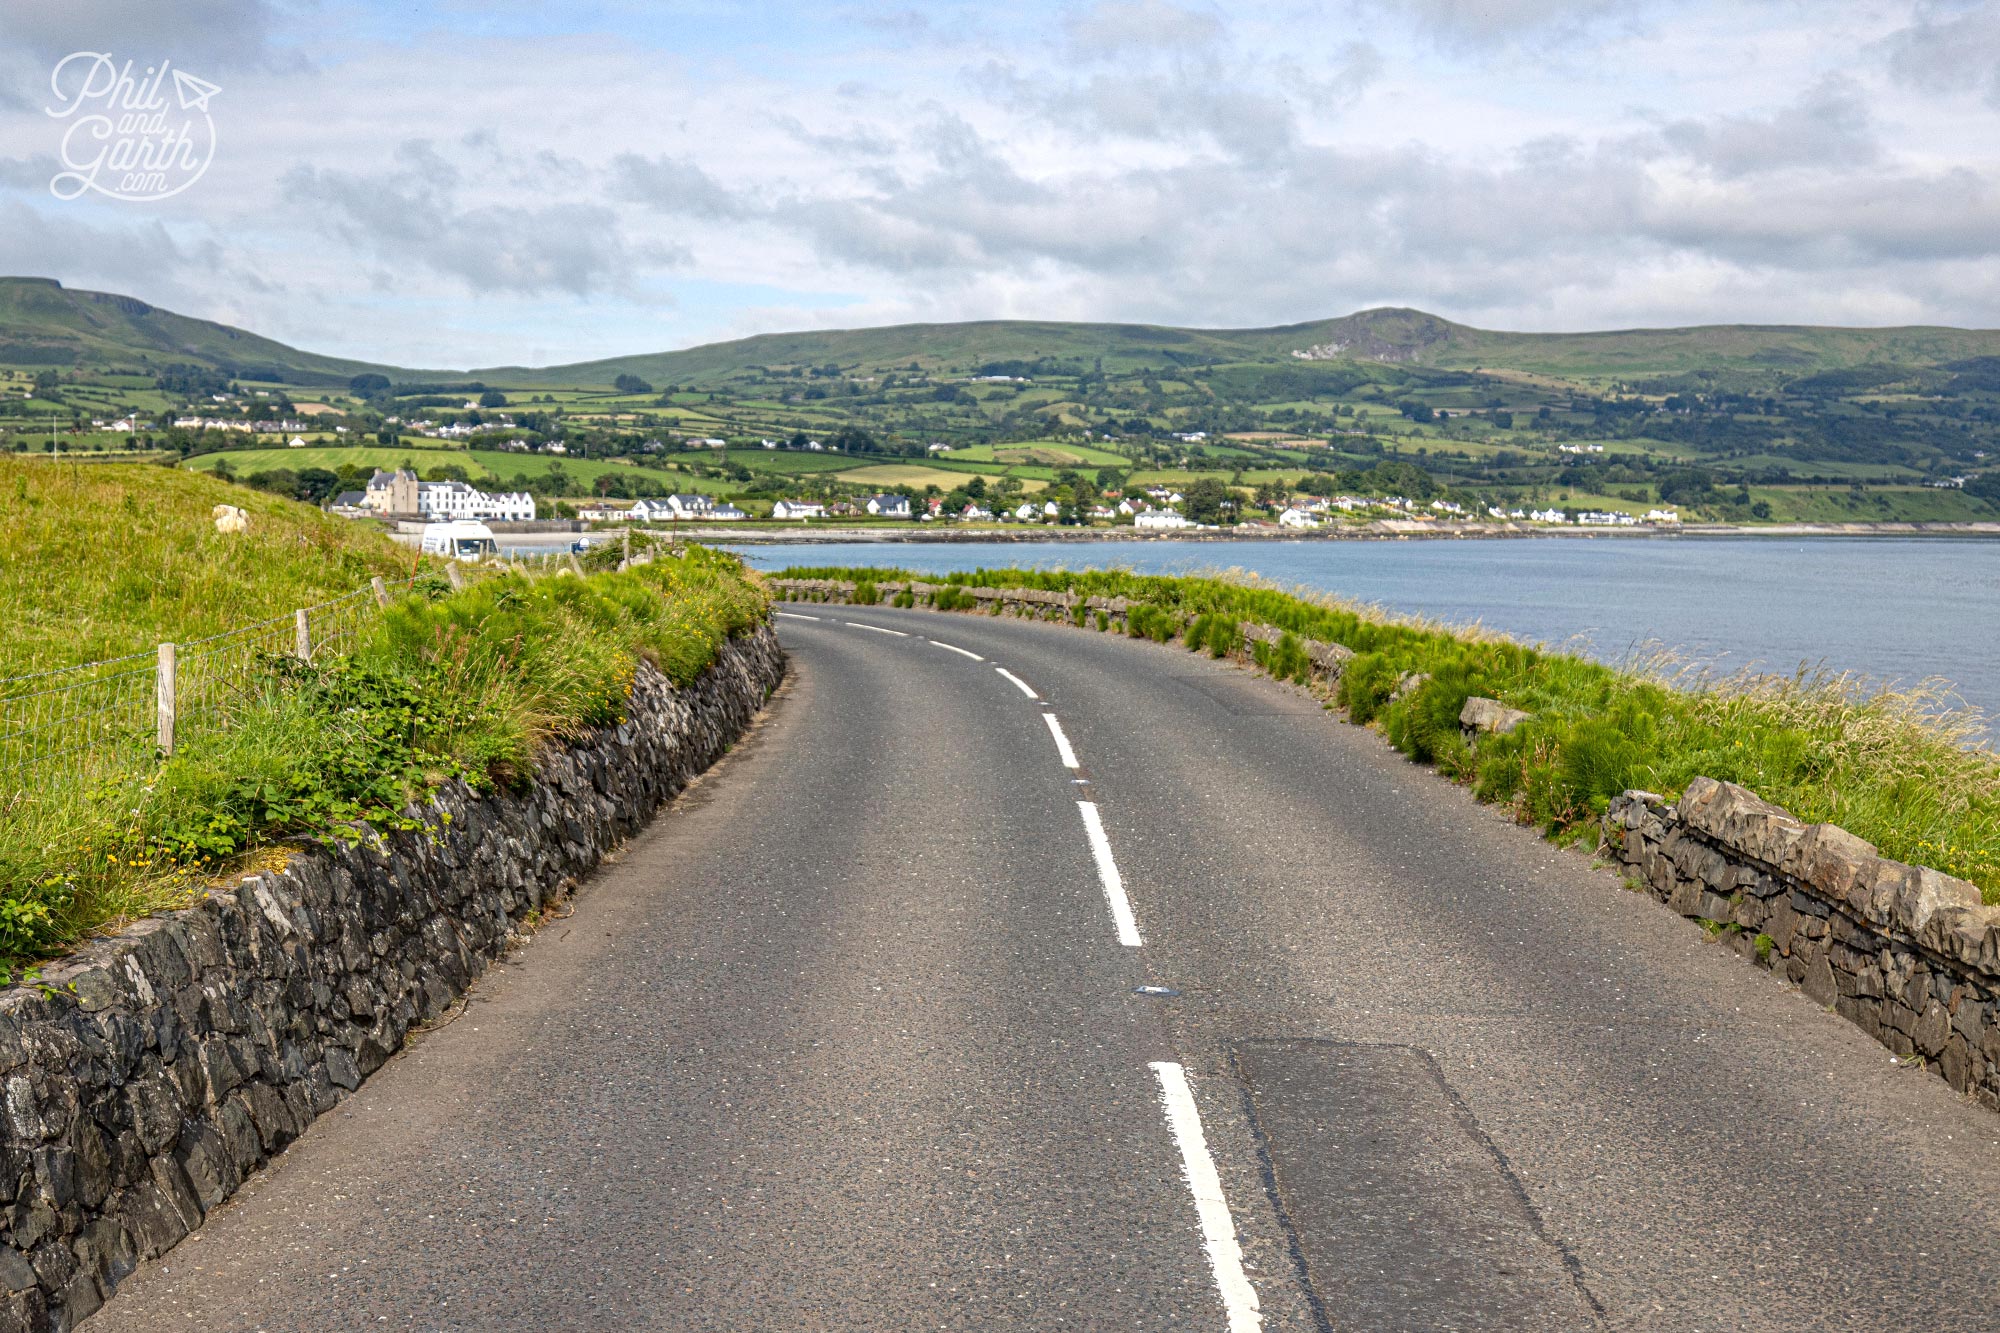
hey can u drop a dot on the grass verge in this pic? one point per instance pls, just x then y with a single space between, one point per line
444 685
99 560
1894 767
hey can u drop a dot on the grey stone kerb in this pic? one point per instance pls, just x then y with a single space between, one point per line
195 1045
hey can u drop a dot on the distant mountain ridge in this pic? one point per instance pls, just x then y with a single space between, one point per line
44 324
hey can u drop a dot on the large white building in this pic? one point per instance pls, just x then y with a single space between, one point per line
400 492
1161 518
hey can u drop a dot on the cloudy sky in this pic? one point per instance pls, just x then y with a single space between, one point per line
450 183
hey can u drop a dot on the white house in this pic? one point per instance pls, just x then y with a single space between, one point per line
1027 513
447 500
1050 509
1296 517
1131 506
1662 516
1548 516
798 509
888 506
1161 518
972 513
400 492
726 512
690 506
297 442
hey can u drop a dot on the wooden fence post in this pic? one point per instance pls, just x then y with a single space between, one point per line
575 565
381 590
302 642
456 575
163 693
625 559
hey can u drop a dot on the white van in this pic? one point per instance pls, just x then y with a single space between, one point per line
461 539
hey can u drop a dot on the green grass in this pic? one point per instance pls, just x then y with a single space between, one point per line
443 685
100 560
1891 767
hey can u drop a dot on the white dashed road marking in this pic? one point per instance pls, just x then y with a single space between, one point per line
1062 741
1019 684
877 628
1107 872
793 615
1218 1231
960 651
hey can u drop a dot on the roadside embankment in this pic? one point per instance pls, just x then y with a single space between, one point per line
1878 788
148 1075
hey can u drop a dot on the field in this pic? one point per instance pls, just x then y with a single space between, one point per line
1729 424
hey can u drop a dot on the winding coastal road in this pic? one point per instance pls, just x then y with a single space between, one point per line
1012 977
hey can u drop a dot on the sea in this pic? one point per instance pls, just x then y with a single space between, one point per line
1890 610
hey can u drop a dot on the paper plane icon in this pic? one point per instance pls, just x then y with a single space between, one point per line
194 93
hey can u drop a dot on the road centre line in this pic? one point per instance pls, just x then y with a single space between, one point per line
1062 741
1020 684
960 651
1107 874
1218 1231
793 615
877 628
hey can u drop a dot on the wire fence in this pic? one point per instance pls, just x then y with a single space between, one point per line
127 709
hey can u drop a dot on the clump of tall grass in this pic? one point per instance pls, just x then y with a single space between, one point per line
1903 768
447 685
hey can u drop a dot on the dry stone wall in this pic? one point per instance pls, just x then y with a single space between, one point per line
1910 955
158 1069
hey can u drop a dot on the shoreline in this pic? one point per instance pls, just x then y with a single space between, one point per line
1388 530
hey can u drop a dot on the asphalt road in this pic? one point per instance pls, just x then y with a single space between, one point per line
899 1021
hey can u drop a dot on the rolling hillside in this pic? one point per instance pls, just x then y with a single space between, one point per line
43 324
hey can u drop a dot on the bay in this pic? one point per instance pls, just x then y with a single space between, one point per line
1893 610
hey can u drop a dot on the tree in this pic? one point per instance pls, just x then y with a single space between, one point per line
493 398
1206 499
629 383
368 386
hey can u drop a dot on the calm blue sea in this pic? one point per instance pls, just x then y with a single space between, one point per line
1893 609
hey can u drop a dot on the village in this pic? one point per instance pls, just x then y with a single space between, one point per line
402 495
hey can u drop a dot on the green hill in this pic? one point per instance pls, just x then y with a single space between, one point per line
44 324
1362 341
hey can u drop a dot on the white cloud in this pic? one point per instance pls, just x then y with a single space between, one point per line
453 198
1947 51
